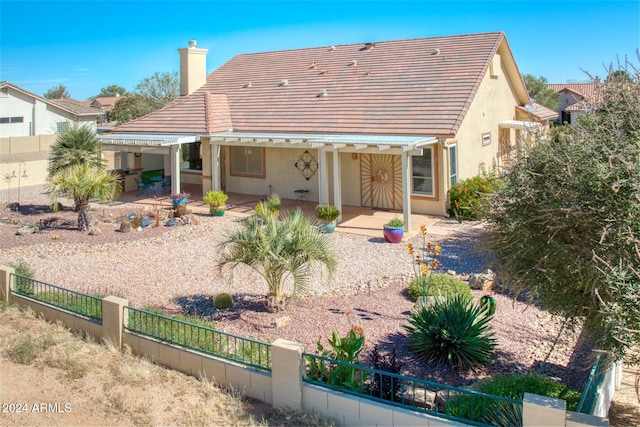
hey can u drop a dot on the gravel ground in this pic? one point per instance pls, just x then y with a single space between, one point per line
174 267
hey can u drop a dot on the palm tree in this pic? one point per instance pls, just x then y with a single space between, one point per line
77 145
279 250
82 182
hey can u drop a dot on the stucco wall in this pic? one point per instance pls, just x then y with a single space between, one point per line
41 116
28 158
281 174
494 102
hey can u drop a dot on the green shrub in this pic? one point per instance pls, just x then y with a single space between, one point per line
514 387
25 351
223 300
454 331
23 285
327 212
438 284
468 198
395 223
500 413
215 198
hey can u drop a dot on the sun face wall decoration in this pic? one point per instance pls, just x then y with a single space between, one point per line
307 165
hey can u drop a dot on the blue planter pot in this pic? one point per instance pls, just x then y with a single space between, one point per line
179 202
326 226
393 234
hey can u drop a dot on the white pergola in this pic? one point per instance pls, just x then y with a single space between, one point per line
405 146
168 144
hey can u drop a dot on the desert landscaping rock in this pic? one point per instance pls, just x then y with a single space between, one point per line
175 268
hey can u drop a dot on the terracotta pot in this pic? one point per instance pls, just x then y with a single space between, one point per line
393 234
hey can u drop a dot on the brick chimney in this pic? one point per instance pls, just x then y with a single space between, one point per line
193 68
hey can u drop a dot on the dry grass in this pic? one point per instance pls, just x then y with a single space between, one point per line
44 362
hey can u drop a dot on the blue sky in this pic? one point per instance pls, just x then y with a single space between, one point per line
87 45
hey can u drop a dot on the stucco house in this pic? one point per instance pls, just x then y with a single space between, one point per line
29 125
575 99
388 125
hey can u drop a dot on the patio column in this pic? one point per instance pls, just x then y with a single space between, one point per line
323 178
337 183
406 190
215 166
175 169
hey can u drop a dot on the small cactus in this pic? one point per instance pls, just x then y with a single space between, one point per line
222 301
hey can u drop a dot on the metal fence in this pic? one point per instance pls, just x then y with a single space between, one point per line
457 404
75 302
250 352
594 383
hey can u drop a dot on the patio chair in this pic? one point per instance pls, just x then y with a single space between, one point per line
166 184
143 189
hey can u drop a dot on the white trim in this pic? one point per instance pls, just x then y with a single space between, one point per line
336 141
147 139
519 124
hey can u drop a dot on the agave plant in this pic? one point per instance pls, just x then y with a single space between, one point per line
454 331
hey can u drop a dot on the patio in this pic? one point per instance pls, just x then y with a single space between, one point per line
355 219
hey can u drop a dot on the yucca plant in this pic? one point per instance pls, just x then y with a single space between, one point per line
454 331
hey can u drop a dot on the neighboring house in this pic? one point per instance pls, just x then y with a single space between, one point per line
388 125
29 125
575 99
105 104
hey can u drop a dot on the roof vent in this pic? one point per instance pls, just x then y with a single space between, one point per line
247 84
322 93
324 71
435 52
369 46
284 82
332 48
313 65
353 62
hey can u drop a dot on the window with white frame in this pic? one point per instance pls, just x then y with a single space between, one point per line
247 161
453 164
422 168
62 127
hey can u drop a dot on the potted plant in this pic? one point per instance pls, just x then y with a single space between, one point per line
327 215
181 198
216 200
393 230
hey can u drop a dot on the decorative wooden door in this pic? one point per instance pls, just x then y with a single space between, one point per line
381 181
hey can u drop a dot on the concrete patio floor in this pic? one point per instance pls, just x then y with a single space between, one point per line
355 219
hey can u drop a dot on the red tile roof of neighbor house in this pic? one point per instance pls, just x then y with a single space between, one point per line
586 90
405 87
587 94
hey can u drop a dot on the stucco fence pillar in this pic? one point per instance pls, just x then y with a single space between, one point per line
5 282
287 371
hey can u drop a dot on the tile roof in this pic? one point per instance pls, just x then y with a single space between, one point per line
406 87
106 103
75 107
587 94
199 113
70 105
586 90
540 111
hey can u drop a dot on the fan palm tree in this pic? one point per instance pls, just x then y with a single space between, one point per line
287 250
82 182
77 145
